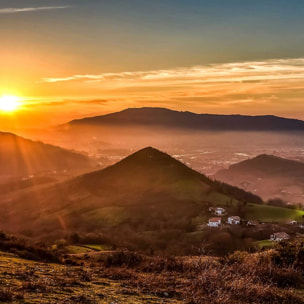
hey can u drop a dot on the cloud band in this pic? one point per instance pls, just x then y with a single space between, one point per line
29 9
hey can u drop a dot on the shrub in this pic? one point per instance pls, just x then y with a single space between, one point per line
123 258
236 257
9 295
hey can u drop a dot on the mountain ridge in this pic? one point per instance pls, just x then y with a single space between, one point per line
268 176
267 162
163 117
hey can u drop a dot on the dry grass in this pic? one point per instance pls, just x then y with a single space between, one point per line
275 276
241 278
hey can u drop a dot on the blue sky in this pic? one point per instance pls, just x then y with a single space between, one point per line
140 34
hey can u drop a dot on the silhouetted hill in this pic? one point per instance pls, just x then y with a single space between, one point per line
22 157
146 192
161 117
268 176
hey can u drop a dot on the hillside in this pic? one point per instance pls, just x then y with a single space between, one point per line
146 194
273 276
268 176
57 283
21 157
165 118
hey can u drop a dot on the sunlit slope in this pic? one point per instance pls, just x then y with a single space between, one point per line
21 157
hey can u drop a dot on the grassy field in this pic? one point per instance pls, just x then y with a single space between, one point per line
261 213
265 213
23 281
109 216
265 243
97 247
218 199
77 249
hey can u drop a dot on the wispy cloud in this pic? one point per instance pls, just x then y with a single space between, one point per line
268 86
252 71
29 9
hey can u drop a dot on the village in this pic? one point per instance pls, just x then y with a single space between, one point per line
219 222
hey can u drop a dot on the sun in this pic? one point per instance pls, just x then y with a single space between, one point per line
9 103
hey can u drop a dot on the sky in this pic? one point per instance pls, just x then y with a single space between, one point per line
68 59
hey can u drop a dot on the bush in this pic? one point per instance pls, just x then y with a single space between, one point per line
123 258
289 255
237 257
278 202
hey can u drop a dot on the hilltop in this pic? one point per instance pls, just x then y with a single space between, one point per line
166 118
268 176
21 157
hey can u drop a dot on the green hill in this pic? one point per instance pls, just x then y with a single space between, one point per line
145 187
148 200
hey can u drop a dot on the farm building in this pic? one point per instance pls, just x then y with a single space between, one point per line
234 220
215 222
279 236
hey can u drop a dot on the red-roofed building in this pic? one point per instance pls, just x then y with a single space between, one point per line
215 222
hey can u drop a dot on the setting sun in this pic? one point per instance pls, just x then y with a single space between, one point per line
9 103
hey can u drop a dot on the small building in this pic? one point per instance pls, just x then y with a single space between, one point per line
292 222
219 211
252 223
234 220
279 236
215 222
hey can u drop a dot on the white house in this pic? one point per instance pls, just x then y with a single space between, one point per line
219 211
292 222
279 236
234 220
215 222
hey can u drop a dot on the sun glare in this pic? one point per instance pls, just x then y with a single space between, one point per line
9 103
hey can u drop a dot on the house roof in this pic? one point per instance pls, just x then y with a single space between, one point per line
236 218
281 235
215 220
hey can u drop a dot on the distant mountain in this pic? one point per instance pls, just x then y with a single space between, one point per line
268 176
147 191
165 118
21 157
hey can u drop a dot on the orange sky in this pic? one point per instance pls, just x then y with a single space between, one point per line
70 59
254 87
